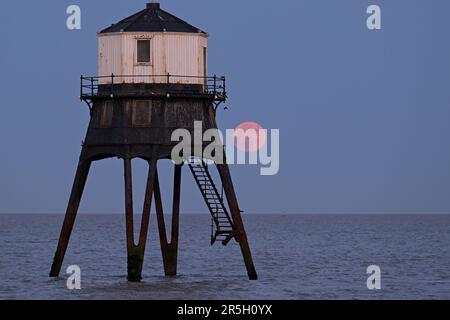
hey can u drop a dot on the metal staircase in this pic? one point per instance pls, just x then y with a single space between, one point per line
223 229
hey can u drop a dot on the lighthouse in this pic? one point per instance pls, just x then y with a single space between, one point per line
153 80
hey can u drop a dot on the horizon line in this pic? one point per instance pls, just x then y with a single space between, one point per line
247 214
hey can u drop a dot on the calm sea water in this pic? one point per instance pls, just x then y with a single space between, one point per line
297 257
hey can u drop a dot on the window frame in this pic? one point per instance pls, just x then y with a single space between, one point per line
144 63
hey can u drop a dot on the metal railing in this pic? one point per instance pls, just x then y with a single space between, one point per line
212 85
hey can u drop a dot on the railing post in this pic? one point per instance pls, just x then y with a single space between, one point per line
215 84
92 86
224 87
112 84
168 85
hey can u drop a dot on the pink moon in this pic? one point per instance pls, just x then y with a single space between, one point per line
251 143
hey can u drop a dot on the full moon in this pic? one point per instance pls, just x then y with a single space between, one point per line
249 137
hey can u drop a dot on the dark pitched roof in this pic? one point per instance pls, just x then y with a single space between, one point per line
152 19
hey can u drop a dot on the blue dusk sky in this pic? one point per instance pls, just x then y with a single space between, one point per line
363 115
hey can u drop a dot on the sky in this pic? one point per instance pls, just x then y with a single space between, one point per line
363 115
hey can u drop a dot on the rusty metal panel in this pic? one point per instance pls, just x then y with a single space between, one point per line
106 114
141 113
144 121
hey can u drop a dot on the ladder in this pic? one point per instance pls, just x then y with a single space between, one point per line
223 229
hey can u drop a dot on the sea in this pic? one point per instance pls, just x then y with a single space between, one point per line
297 257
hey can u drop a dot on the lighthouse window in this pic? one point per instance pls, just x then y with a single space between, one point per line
143 51
142 113
106 114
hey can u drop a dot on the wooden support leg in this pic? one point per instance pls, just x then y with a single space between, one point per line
224 172
175 220
169 250
71 213
136 252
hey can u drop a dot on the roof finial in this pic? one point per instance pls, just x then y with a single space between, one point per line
153 5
